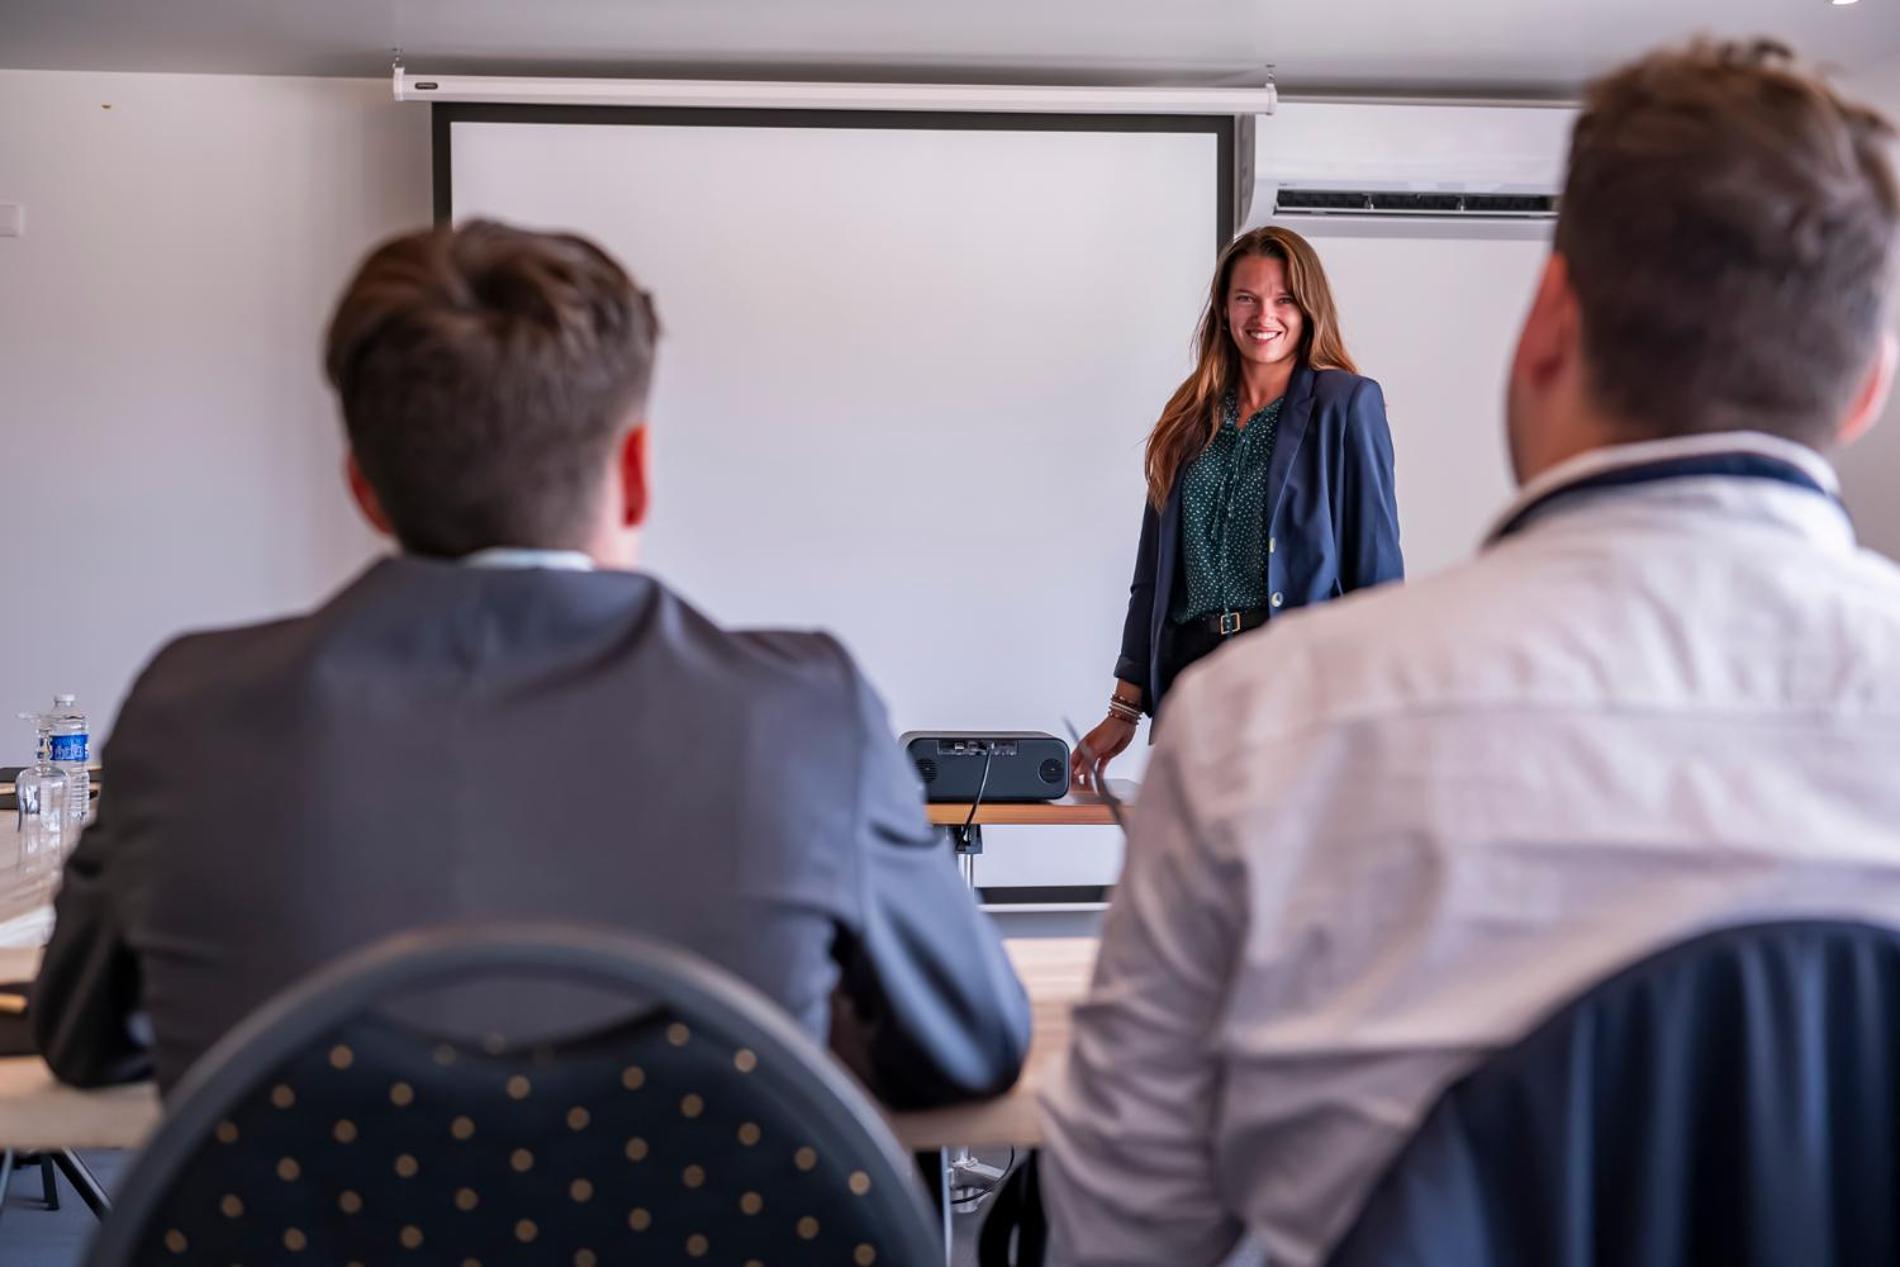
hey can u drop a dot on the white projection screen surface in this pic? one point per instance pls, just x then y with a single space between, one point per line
904 382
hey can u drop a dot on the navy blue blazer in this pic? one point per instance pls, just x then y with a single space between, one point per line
1332 517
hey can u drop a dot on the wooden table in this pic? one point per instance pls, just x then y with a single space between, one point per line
1077 809
1055 971
38 1113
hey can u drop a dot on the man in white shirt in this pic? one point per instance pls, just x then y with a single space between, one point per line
1389 836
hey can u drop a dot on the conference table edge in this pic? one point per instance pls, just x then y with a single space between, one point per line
38 1112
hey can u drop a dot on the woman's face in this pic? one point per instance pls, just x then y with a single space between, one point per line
1262 319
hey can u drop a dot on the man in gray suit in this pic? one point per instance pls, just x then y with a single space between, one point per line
507 721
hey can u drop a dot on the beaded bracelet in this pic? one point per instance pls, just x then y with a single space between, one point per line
1119 707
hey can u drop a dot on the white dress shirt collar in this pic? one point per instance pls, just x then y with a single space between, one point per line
1638 453
524 557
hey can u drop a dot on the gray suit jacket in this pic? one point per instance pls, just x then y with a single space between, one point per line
441 744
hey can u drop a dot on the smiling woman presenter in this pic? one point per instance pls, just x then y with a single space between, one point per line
1269 479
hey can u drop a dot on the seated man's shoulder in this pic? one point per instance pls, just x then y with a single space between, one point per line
184 701
805 668
1571 623
794 653
1453 637
788 659
204 660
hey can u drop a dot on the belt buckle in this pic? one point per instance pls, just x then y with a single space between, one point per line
1229 624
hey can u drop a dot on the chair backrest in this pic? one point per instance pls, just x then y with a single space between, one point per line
1731 1100
702 1127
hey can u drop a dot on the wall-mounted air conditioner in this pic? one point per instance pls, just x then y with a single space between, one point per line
1407 165
1291 200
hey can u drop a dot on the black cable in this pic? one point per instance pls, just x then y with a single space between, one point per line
982 783
965 1203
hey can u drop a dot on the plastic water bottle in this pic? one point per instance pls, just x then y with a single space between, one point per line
44 795
68 747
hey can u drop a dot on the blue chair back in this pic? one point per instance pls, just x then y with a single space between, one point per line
1731 1100
700 1126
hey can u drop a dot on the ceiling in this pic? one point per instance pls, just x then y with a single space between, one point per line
1539 47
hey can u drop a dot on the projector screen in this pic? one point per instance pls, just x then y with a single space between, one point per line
907 369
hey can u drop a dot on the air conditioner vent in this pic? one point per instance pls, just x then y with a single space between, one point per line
1449 204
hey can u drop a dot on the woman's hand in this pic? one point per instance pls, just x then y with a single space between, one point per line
1097 749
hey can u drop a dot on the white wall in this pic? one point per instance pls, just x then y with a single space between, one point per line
160 325
1430 310
160 330
1435 321
1435 318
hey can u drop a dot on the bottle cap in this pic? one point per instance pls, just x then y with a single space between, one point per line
64 701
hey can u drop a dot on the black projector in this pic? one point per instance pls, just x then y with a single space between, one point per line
1024 765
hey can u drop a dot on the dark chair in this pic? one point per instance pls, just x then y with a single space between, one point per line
1734 1100
703 1127
61 1161
49 1181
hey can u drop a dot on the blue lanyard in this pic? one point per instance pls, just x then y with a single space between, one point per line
1754 466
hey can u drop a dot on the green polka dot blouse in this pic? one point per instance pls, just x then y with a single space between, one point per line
1224 517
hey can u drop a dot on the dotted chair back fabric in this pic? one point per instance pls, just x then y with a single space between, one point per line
691 1134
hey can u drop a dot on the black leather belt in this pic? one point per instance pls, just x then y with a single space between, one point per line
1227 624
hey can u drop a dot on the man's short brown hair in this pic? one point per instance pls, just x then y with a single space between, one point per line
485 374
1729 227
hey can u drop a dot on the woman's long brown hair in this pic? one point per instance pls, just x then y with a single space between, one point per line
1188 423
